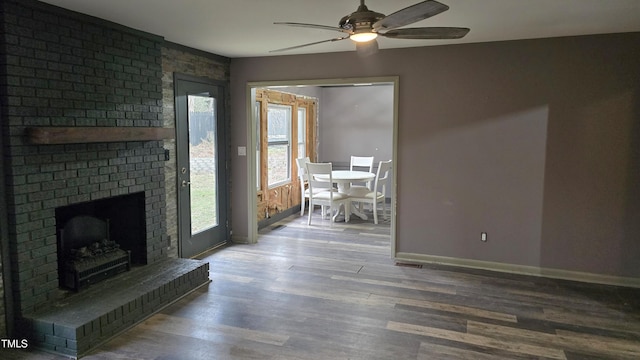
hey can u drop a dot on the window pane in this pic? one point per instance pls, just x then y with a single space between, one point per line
279 156
302 131
279 144
202 162
279 122
258 121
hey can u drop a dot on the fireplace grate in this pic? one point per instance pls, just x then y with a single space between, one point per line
80 274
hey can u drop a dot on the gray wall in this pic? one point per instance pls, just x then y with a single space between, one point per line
535 142
355 120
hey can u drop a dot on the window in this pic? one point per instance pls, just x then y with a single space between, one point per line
302 132
285 131
278 144
258 120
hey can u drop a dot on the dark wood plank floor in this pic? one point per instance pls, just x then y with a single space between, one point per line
331 291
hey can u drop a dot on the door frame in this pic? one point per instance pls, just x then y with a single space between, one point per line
252 223
223 149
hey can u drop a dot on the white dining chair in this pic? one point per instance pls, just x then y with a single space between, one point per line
361 163
322 192
302 176
378 194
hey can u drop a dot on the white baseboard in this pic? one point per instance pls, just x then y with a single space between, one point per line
520 269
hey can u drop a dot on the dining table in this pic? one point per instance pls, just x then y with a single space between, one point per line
344 178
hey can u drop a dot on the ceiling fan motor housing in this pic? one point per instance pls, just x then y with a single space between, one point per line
361 20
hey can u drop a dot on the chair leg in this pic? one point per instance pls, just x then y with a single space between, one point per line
384 210
374 205
302 203
310 212
347 210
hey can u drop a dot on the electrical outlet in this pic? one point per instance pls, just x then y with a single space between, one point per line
483 236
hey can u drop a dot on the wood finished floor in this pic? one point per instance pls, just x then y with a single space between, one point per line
332 292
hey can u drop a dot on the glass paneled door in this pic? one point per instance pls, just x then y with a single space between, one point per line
201 165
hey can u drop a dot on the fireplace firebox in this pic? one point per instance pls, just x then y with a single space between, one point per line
88 253
99 239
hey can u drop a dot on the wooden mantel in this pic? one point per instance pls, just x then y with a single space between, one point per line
77 135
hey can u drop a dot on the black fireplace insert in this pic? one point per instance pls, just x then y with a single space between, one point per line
88 253
100 238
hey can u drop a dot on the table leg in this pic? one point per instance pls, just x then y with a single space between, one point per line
344 188
357 213
336 214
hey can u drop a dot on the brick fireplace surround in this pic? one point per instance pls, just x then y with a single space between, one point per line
62 69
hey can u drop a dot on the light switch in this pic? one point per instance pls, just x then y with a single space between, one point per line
242 151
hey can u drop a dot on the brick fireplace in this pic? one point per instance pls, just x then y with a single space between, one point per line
70 71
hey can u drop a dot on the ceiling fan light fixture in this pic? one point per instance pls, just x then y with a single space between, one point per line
363 36
363 26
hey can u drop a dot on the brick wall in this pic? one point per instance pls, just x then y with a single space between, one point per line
4 321
3 312
5 304
179 59
67 69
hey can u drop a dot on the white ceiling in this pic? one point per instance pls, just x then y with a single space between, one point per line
244 28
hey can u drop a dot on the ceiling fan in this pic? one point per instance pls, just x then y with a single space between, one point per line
363 26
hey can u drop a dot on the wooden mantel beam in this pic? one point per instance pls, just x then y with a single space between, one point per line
77 135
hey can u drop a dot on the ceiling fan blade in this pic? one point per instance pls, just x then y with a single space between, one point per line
309 44
368 48
313 26
427 33
410 15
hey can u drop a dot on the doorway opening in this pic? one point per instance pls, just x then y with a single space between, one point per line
347 119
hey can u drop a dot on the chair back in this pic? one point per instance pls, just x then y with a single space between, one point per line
314 169
302 167
321 191
382 177
361 162
302 176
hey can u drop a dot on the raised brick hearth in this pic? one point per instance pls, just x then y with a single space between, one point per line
73 325
69 70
